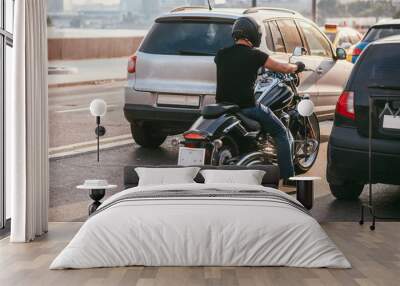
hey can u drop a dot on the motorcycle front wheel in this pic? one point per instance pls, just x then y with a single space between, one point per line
306 151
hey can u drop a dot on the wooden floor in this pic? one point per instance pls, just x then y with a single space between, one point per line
375 257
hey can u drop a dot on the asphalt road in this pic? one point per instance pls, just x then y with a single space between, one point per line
70 121
69 204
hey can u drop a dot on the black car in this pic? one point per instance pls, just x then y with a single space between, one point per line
376 75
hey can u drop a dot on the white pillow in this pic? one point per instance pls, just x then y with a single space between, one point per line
166 176
247 177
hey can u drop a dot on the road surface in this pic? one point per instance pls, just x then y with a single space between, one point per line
70 121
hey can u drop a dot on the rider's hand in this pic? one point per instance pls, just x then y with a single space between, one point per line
300 67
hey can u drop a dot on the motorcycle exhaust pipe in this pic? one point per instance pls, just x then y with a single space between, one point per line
249 157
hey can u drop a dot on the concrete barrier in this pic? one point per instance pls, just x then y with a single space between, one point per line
91 48
83 44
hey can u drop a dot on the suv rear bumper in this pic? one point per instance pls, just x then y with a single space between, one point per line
348 158
135 112
141 106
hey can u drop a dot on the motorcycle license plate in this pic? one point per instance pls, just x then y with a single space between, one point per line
191 156
391 122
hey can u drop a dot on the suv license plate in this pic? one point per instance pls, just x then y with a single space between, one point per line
191 156
176 99
391 122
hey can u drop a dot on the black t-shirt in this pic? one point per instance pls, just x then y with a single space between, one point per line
237 68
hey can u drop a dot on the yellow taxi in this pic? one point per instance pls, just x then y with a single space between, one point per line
343 37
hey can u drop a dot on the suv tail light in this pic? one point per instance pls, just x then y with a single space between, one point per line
132 64
345 105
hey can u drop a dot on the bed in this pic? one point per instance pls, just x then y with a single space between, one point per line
201 224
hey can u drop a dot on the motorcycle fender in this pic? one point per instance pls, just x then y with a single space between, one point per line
217 127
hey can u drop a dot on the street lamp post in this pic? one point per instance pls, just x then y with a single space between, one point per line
314 10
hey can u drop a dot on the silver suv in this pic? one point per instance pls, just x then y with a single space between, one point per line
173 74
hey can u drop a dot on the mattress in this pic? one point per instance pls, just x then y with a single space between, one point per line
201 225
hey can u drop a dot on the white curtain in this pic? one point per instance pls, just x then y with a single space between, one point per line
27 165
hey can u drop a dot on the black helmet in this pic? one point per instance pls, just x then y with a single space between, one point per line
247 28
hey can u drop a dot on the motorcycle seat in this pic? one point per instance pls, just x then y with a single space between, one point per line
249 124
216 110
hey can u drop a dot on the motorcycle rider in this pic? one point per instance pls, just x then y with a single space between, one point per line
237 69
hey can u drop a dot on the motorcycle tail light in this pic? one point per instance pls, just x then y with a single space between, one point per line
193 136
132 64
345 105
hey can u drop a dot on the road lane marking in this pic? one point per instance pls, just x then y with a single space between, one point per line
90 146
90 149
84 109
91 142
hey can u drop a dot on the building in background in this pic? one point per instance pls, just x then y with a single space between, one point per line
139 14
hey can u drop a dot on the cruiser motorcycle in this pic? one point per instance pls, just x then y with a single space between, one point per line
224 136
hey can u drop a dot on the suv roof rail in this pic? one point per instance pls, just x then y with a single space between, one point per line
256 9
183 8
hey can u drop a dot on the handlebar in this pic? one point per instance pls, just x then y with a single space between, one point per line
287 78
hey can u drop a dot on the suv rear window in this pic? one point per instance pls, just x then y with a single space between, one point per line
380 66
187 38
381 32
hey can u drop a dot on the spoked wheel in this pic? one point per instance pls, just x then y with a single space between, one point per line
307 145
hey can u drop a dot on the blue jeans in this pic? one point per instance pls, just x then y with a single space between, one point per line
274 127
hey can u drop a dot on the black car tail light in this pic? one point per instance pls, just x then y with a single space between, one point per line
345 105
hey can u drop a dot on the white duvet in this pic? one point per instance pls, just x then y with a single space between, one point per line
200 231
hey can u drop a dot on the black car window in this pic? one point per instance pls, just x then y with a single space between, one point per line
268 38
290 34
317 43
381 32
187 38
380 66
279 46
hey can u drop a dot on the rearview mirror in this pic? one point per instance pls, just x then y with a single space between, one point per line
341 54
299 51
